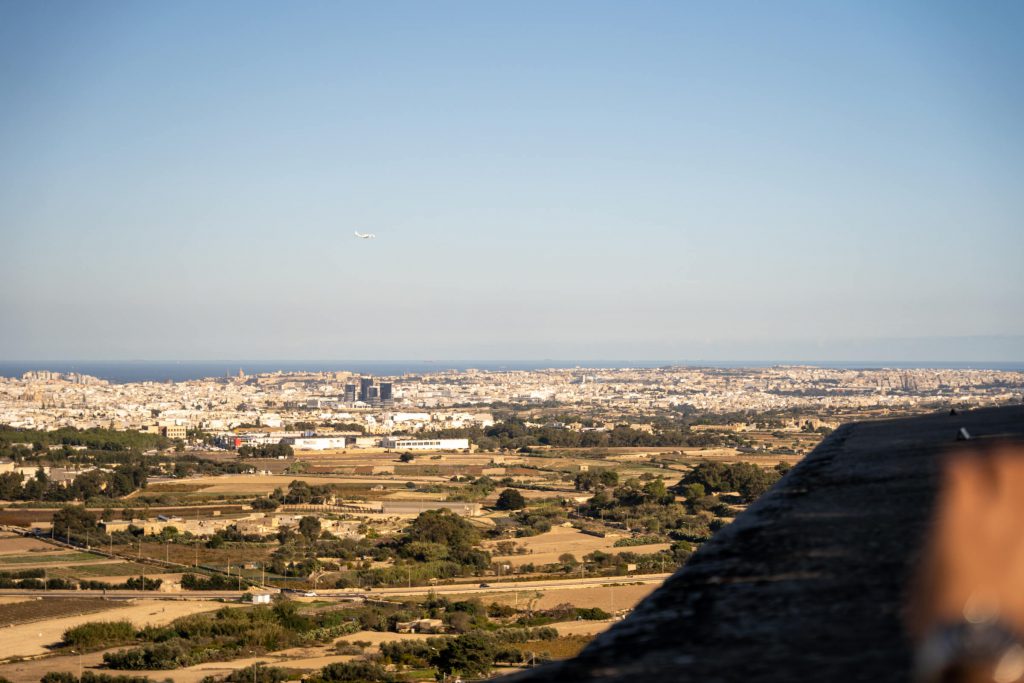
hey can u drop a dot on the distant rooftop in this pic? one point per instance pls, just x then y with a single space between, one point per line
809 583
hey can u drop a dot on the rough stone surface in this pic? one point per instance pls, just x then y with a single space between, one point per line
809 583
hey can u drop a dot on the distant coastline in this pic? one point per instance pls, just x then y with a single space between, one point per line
178 371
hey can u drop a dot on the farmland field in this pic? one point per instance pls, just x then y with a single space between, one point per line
101 569
546 548
30 610
64 557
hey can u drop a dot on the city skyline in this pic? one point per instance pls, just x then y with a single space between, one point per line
577 180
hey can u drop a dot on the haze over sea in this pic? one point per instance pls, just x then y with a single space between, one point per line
179 371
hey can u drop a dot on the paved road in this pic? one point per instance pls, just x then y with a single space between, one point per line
496 587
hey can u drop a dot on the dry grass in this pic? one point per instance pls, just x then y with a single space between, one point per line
548 547
561 648
609 597
12 544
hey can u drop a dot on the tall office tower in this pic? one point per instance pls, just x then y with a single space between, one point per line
374 396
387 398
350 393
364 388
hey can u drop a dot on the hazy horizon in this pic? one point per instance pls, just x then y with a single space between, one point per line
545 180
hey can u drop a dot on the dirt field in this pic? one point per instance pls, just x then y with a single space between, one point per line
611 598
582 628
26 640
12 544
547 547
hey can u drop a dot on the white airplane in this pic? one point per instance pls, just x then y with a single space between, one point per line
367 236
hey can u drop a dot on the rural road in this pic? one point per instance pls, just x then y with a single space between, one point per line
459 588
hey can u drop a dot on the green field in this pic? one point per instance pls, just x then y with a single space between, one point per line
88 571
48 558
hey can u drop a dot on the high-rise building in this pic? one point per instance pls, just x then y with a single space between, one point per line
350 393
373 396
364 388
387 398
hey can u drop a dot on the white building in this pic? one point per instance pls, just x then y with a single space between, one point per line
315 443
424 444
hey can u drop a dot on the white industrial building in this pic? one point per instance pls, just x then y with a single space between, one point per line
424 444
315 443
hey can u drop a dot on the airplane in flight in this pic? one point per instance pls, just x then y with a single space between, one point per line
367 236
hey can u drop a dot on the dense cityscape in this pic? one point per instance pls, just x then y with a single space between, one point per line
406 404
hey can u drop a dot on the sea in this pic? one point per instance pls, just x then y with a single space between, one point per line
179 371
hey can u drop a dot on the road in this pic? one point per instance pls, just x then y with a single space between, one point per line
446 589
508 586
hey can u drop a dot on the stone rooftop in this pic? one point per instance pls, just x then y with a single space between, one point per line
810 582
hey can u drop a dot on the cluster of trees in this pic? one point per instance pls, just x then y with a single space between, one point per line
587 481
99 634
443 535
228 634
255 673
510 499
277 450
95 439
748 480
189 465
513 433
214 582
471 654
91 677
302 493
475 489
32 579
123 480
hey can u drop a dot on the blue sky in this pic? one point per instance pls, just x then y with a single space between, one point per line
546 180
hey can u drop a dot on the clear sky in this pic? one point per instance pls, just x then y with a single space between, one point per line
701 180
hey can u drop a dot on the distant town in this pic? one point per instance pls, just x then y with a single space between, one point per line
300 406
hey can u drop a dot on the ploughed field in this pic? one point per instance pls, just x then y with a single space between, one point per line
26 610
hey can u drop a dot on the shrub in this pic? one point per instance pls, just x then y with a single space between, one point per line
99 634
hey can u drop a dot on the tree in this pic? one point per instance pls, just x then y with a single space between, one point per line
655 491
72 520
608 478
310 528
585 481
471 654
407 457
510 499
693 491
